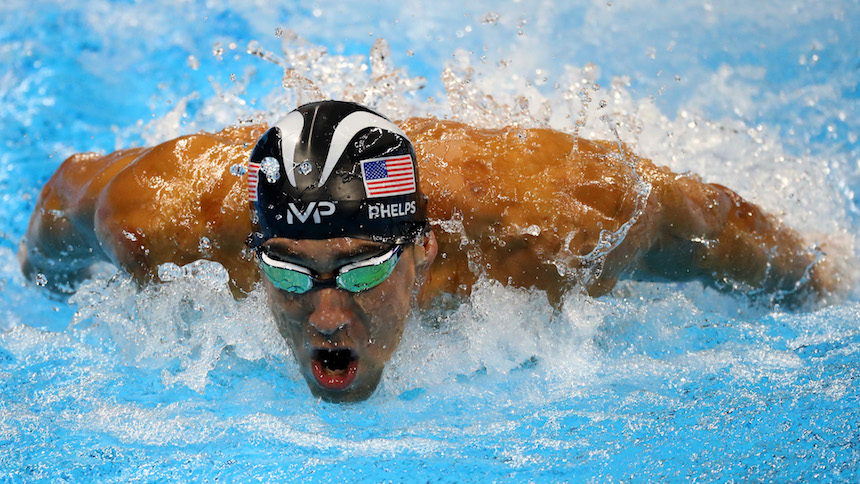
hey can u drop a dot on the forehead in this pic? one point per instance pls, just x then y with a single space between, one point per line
324 249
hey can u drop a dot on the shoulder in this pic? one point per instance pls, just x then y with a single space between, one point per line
180 171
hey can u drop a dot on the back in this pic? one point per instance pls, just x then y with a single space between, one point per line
529 206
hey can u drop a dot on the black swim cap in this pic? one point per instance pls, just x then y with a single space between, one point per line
335 169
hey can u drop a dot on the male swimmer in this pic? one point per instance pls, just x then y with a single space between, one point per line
344 231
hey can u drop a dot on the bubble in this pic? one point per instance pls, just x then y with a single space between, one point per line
271 168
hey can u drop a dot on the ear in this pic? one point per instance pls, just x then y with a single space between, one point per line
425 253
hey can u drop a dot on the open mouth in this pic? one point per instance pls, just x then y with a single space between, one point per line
334 369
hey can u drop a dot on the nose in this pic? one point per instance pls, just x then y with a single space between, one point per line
332 311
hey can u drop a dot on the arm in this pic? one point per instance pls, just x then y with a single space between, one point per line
708 232
60 244
141 208
529 207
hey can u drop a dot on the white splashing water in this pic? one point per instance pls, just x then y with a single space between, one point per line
183 324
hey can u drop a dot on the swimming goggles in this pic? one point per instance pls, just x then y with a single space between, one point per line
353 277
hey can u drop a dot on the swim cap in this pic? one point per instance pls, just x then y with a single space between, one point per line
335 169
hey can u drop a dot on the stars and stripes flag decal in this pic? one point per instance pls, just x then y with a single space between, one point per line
253 174
389 176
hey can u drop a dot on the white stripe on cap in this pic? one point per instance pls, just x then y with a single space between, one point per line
343 134
291 131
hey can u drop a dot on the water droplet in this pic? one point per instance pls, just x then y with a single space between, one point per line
533 230
492 18
205 244
41 280
523 103
304 168
237 169
271 167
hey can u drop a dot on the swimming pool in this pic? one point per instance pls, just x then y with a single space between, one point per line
180 382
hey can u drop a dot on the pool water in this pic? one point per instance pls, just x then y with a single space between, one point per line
676 382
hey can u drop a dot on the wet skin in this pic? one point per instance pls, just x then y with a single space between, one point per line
488 190
342 340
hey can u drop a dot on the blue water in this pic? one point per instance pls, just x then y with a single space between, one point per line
180 382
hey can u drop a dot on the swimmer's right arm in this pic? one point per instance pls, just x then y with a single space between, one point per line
60 245
100 208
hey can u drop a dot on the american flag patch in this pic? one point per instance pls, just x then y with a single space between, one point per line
253 174
386 177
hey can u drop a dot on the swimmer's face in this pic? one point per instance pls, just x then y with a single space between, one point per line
340 339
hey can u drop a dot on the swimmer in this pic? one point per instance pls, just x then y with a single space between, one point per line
349 220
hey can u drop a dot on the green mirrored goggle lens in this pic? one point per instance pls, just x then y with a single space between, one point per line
355 277
288 279
367 277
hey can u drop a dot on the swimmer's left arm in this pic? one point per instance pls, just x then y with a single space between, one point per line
708 232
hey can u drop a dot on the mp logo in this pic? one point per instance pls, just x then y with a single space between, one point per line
315 210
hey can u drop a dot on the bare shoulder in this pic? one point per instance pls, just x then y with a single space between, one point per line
141 207
526 177
178 202
530 197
